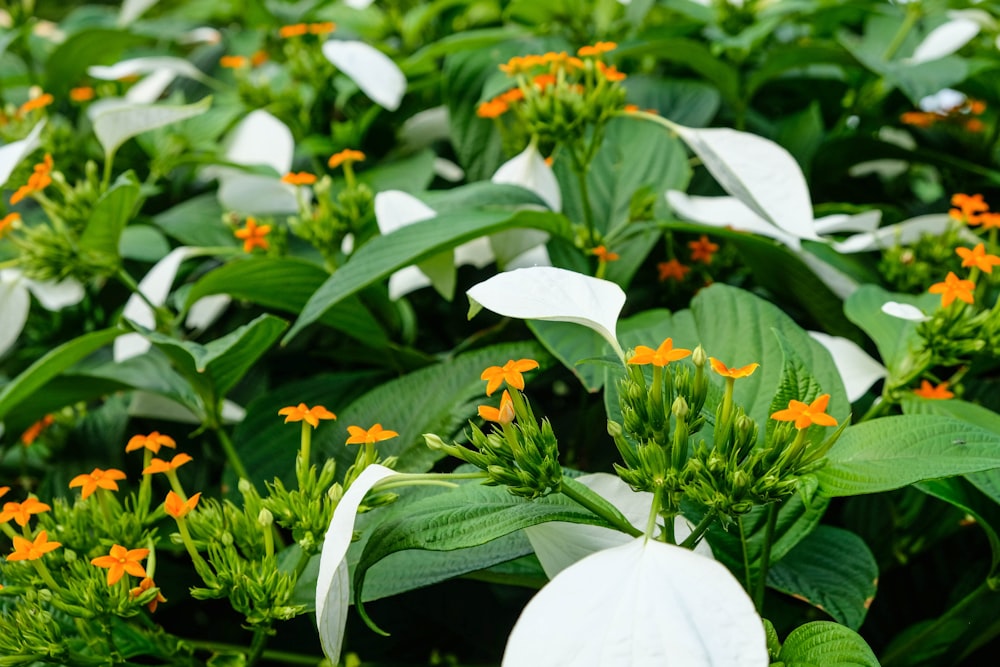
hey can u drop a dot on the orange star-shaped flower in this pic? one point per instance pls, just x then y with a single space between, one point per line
927 390
978 258
178 508
144 585
806 414
301 412
347 155
21 512
510 373
32 550
121 560
672 270
596 49
32 432
159 465
725 371
703 250
152 442
294 30
968 208
98 479
300 178
502 415
953 288
7 222
661 356
253 235
604 254
376 433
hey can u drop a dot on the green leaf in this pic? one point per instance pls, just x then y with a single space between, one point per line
111 213
695 55
152 373
438 399
896 339
66 65
690 103
569 343
476 140
893 452
52 364
196 222
143 243
286 283
55 394
118 124
411 174
412 244
833 570
826 644
964 495
797 383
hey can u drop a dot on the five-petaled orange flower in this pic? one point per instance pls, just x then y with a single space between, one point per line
661 356
502 415
32 432
610 72
298 178
927 390
178 508
347 155
121 560
32 550
734 373
492 108
805 415
702 250
159 465
7 222
39 180
509 373
43 100
233 62
596 49
253 235
152 442
672 270
81 94
604 254
294 30
978 258
301 412
98 479
144 586
968 207
953 288
376 433
21 512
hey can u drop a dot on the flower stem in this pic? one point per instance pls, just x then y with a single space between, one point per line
654 511
765 557
706 522
618 522
231 455
910 20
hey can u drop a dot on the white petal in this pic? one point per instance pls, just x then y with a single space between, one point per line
118 124
537 256
154 406
14 306
155 285
477 252
528 170
549 293
839 282
256 194
426 127
904 311
902 233
332 594
857 368
133 9
511 243
11 154
726 212
151 88
842 222
137 66
56 295
942 101
206 310
395 209
260 138
944 40
448 170
202 35
407 280
758 172
375 73
644 604
981 17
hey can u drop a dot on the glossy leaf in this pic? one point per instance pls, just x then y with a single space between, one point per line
120 123
825 644
110 215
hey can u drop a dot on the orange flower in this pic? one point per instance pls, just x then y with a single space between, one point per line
610 72
159 465
661 356
253 235
4 490
7 222
98 479
596 49
978 258
927 390
953 288
81 94
39 102
144 586
347 155
543 81
233 62
974 125
492 108
259 58
311 415
502 415
672 270
806 414
322 28
300 178
376 433
295 30
702 250
178 508
121 560
152 442
725 371
38 181
521 64
32 432
630 108
32 550
512 95
602 254
922 119
968 208
21 512
988 220
510 373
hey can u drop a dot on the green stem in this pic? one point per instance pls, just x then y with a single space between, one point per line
231 455
257 645
615 521
281 657
654 512
910 20
588 212
765 557
706 522
747 584
46 576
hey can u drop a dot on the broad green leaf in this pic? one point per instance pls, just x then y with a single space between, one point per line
893 452
52 364
413 173
438 399
896 338
571 343
57 393
196 222
476 140
286 283
965 496
151 373
469 41
143 243
118 124
382 255
698 57
833 570
690 103
111 213
826 644
66 65
797 383
952 407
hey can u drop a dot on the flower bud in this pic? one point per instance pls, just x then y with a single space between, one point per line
680 408
265 518
698 357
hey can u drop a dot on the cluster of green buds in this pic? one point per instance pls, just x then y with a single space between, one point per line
519 452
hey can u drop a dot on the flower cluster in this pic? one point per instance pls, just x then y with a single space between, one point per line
702 251
964 115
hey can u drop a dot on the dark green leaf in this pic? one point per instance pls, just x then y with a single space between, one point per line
826 644
111 213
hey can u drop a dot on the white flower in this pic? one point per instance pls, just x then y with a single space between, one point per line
375 73
904 311
857 368
529 170
15 301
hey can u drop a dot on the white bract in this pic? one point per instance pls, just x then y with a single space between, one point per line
643 604
529 170
558 295
15 301
904 311
116 124
375 73
857 369
11 154
944 40
332 589
133 9
161 71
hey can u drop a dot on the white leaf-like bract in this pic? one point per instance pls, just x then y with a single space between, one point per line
643 604
395 209
56 295
726 212
14 306
944 40
155 406
448 170
155 285
133 9
137 66
11 154
843 222
332 594
528 170
858 370
758 172
260 138
256 194
116 125
550 293
375 73
941 102
205 311
904 311
902 233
